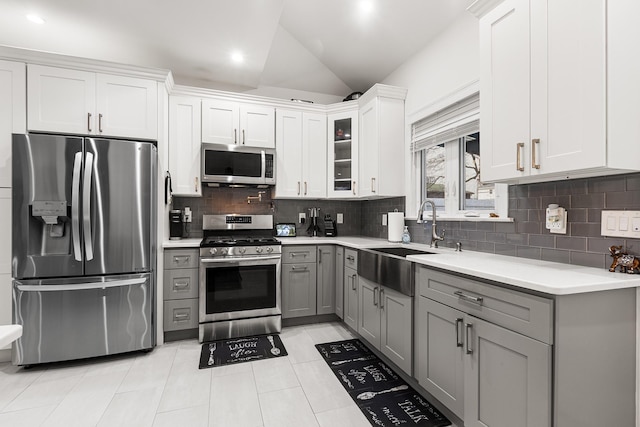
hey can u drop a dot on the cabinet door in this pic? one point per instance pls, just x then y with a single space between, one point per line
351 298
507 378
127 107
326 298
13 110
314 155
184 145
342 154
396 331
440 355
61 100
368 146
289 153
339 278
298 290
369 311
505 67
220 121
568 85
257 126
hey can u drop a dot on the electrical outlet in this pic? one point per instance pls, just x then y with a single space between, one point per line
384 219
302 217
339 218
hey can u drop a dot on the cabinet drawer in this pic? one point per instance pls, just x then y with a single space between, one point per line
297 254
181 258
351 258
180 314
181 283
527 314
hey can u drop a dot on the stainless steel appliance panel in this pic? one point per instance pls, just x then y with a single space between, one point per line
46 206
118 205
77 318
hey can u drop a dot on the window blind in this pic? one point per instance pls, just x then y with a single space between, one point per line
455 121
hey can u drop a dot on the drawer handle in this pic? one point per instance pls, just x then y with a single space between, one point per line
177 258
298 268
351 258
469 298
180 317
375 296
458 325
180 285
295 254
468 327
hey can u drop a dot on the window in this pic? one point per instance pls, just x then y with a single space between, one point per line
446 148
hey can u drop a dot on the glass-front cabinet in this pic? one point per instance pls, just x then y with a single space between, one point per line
343 153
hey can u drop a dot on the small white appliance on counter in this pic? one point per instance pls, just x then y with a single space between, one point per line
395 226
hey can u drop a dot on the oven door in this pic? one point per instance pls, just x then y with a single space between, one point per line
239 288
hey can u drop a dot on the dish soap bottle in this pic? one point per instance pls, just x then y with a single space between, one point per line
406 237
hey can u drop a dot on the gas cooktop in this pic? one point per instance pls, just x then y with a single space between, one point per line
223 241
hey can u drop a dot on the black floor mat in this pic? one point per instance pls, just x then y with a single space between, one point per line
382 395
238 350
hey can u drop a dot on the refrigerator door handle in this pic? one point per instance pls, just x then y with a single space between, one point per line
86 206
75 207
80 286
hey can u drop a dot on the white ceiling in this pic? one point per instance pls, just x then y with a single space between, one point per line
324 46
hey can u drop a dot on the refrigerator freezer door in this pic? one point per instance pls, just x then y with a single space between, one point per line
118 214
46 206
66 319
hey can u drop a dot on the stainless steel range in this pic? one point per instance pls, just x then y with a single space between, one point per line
239 277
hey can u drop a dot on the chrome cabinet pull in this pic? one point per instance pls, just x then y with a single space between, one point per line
181 316
295 254
235 136
350 258
242 136
319 256
304 268
468 327
519 148
180 285
305 188
89 122
298 188
196 184
469 298
177 258
100 123
373 185
458 325
533 153
353 282
375 296
354 188
382 298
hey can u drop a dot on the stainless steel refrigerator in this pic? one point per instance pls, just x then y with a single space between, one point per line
83 246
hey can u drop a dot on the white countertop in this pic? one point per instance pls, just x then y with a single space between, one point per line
542 276
9 333
182 243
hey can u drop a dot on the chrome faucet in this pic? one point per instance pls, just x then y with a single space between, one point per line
434 234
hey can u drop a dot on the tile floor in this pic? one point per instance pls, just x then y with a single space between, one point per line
166 388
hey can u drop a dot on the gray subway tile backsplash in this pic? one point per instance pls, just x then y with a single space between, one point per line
525 237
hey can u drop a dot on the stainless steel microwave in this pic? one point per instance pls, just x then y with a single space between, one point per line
238 164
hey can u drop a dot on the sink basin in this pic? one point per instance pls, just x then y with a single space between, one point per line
403 252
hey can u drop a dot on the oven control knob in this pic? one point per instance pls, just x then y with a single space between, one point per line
224 251
259 250
269 249
242 250
213 251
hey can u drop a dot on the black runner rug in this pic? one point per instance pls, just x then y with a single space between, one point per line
382 395
238 350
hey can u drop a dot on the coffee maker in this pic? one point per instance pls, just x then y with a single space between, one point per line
175 224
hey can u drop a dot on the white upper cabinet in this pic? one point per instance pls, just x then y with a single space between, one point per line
71 101
381 142
184 145
342 154
13 107
543 85
301 170
231 122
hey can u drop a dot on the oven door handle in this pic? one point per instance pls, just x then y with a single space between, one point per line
240 259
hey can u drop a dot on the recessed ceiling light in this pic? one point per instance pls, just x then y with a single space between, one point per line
35 18
366 6
237 57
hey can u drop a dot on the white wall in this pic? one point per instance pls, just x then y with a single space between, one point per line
448 63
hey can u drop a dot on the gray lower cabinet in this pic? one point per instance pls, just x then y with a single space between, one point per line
385 321
180 289
326 263
339 270
299 281
485 373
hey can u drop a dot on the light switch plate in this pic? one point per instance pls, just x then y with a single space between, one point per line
339 218
384 219
620 224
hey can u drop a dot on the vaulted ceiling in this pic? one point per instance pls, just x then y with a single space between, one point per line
326 46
